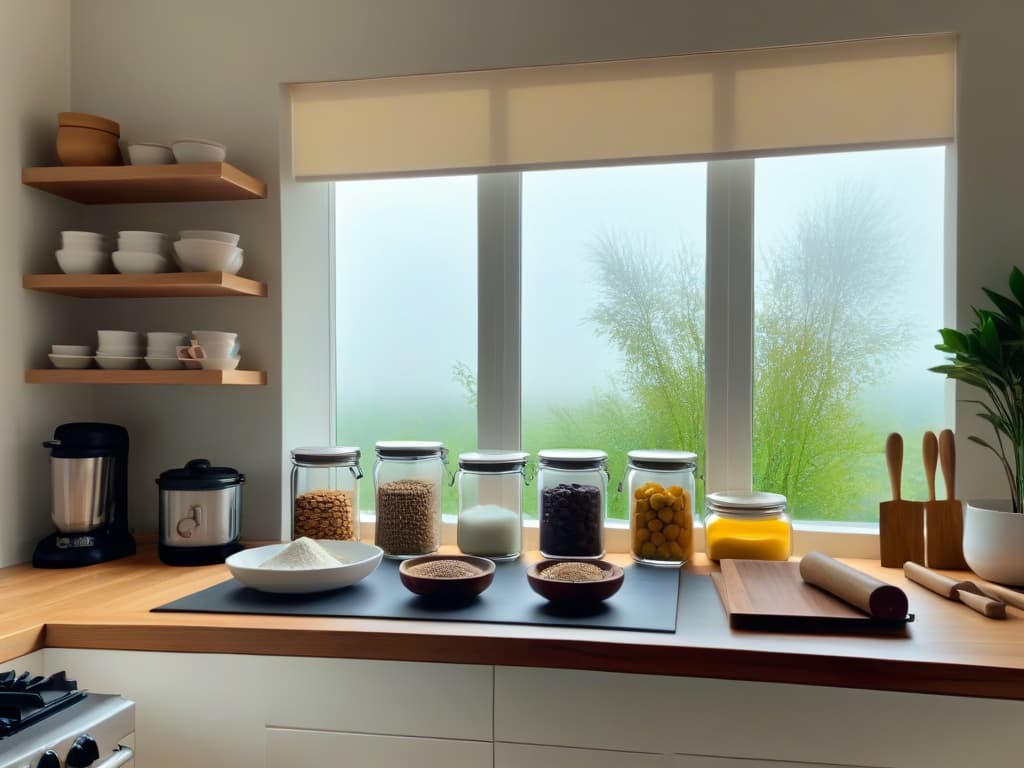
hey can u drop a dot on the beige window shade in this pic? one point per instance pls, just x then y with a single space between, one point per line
864 93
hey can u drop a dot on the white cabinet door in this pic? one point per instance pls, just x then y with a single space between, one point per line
288 748
30 662
757 721
396 698
532 756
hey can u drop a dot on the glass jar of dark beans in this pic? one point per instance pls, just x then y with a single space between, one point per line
572 491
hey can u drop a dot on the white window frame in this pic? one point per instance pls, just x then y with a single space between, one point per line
729 333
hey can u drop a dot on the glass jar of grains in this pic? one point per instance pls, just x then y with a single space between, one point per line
572 487
407 479
325 493
661 489
748 525
490 487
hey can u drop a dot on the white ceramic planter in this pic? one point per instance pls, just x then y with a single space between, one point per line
994 541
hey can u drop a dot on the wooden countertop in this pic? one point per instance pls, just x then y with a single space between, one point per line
949 649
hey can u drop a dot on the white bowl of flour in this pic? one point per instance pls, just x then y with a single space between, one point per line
305 565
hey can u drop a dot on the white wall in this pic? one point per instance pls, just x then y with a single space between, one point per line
35 84
214 68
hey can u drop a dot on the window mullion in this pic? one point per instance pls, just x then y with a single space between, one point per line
498 309
729 323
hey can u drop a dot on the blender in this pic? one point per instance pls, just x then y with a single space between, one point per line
89 476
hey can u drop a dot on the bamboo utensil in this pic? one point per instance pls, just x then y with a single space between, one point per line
944 519
966 592
900 522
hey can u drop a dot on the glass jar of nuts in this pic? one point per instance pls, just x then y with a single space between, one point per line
661 489
407 479
325 493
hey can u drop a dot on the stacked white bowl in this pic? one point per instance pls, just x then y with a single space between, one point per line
118 350
220 350
207 250
82 253
162 349
141 253
70 356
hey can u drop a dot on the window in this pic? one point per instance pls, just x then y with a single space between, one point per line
590 325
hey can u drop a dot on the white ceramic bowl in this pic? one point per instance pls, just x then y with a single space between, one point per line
118 338
213 338
218 350
140 263
198 151
206 255
71 349
360 561
82 262
154 242
164 363
166 340
149 154
71 361
78 240
219 364
235 265
117 362
209 234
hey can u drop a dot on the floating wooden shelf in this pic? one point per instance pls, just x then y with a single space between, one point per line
142 376
171 284
97 184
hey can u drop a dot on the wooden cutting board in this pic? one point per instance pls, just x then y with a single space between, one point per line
768 595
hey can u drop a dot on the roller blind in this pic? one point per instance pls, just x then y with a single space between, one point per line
865 93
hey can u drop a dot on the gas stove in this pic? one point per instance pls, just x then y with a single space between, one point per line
47 722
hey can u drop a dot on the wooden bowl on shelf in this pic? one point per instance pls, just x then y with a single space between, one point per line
439 588
580 592
84 139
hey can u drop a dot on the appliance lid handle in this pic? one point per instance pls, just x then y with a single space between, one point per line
120 756
52 444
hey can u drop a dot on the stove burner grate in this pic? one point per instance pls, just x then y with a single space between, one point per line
26 699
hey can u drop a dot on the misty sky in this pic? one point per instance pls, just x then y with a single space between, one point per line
407 274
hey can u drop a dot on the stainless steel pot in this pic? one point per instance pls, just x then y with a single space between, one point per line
200 505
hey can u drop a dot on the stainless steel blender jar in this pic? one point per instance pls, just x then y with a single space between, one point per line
89 480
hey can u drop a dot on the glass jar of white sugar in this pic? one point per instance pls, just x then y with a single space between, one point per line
490 484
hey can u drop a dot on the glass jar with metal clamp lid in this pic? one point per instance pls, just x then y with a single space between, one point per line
572 491
661 488
490 522
408 478
325 493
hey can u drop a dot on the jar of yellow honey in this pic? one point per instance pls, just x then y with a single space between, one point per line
747 525
661 488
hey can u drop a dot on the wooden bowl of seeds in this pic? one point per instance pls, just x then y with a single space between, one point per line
447 577
575 581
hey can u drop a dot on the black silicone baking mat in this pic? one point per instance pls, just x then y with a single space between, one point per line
646 602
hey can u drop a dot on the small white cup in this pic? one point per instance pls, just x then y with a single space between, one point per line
78 350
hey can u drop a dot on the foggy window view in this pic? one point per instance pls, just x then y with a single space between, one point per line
848 297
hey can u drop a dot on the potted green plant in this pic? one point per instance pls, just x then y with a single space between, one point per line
990 357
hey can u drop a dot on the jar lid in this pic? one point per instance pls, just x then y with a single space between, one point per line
493 461
337 455
572 458
198 475
746 502
410 448
657 458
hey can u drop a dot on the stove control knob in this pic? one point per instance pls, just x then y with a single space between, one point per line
49 760
83 752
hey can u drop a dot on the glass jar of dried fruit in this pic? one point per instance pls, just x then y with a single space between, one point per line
661 489
407 479
325 493
572 486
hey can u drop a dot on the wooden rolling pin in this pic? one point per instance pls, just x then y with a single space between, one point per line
967 592
1007 595
876 598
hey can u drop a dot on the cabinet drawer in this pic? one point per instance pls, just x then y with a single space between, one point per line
287 748
448 701
531 756
764 721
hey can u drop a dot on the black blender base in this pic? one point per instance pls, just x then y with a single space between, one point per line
217 553
98 547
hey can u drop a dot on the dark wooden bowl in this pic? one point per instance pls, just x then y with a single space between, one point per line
575 591
447 589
